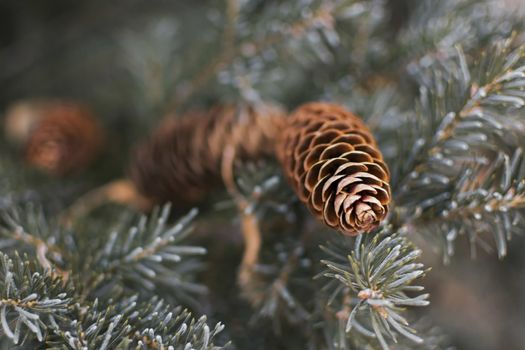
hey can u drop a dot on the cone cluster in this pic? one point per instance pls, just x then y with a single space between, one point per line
59 137
181 161
334 165
328 154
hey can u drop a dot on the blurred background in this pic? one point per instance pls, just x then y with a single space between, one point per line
124 59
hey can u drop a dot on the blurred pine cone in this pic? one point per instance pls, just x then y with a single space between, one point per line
59 137
332 161
181 161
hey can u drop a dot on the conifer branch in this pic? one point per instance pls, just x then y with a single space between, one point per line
140 257
29 231
131 325
322 15
107 279
474 124
466 115
38 309
437 27
145 256
370 288
32 301
486 200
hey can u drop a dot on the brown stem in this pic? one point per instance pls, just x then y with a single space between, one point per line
42 248
249 222
121 191
252 242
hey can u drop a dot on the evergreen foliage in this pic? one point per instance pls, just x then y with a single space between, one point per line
442 87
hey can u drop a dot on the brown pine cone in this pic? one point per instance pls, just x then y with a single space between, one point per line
332 161
181 161
59 137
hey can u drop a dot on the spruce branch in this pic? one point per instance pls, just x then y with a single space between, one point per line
276 280
263 187
278 287
459 158
472 132
486 200
32 302
466 120
265 37
150 58
138 257
144 256
37 308
177 329
225 57
27 230
370 288
437 27
128 324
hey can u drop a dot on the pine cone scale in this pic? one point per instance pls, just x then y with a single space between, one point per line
329 214
335 151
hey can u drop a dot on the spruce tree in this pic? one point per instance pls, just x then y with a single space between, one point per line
249 174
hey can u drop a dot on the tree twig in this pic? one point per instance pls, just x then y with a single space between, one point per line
230 51
42 248
249 221
121 191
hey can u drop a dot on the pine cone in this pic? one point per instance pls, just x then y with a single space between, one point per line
333 163
59 137
181 161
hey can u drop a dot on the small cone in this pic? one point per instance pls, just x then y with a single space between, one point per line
59 137
332 161
181 161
